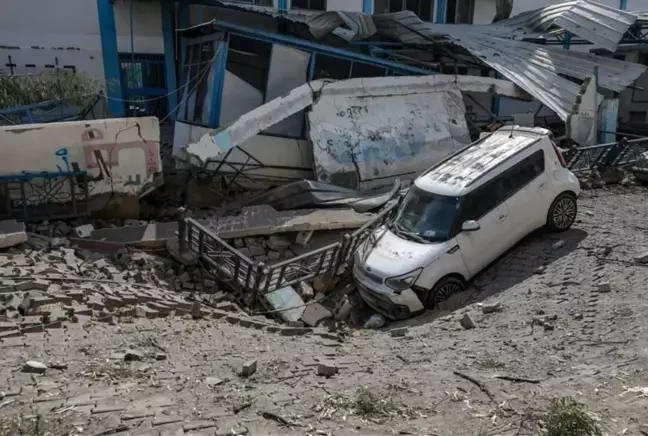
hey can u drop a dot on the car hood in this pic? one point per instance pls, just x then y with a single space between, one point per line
393 256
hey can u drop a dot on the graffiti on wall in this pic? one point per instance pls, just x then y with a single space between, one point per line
114 162
365 142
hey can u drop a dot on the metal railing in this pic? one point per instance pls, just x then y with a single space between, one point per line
44 196
242 274
622 153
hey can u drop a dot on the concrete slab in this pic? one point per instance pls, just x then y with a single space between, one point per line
288 302
264 220
253 221
12 233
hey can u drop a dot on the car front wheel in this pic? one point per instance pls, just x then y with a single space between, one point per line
562 213
444 289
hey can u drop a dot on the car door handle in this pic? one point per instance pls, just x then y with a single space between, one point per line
502 217
541 187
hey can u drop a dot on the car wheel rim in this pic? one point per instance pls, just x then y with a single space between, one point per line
446 292
564 213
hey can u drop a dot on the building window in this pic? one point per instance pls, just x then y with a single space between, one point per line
460 11
196 75
422 8
318 5
637 116
143 81
255 2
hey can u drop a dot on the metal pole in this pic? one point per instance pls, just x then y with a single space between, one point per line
596 112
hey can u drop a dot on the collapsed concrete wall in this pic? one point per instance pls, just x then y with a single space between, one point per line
365 131
121 156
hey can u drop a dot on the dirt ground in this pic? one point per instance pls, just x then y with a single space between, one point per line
560 332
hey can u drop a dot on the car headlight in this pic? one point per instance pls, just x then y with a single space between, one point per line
405 281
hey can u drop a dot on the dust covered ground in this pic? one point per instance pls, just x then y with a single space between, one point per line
561 331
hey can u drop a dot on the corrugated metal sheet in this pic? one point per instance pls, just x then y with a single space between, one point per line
535 68
599 24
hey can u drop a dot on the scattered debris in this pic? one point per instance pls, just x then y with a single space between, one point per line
326 369
248 368
375 322
642 258
34 367
399 332
558 245
12 233
466 322
604 286
491 308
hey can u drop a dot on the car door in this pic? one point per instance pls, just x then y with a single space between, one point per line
486 206
529 194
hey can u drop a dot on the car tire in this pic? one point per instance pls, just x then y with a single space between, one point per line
562 213
443 289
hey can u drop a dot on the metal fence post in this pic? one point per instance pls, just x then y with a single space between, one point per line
182 233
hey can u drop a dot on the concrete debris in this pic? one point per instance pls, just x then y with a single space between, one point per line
84 231
642 258
375 322
133 356
12 233
326 369
399 332
304 237
287 302
248 368
214 381
34 367
278 243
315 314
491 308
604 286
466 322
264 220
306 291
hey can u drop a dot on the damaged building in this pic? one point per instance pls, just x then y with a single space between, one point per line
306 50
314 120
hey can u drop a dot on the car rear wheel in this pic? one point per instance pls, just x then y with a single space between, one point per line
562 213
444 289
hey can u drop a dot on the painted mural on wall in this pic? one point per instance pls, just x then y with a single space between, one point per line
367 141
119 156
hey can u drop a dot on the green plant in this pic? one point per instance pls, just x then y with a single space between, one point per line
567 417
72 87
30 425
365 404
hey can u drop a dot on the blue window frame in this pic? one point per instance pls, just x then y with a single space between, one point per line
143 81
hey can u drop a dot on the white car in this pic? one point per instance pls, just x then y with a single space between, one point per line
461 215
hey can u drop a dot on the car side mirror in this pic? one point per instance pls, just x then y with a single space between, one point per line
470 226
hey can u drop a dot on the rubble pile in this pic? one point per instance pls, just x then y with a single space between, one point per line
45 284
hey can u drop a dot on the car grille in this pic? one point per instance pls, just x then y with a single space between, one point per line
372 277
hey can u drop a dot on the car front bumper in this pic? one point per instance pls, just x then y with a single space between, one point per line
393 306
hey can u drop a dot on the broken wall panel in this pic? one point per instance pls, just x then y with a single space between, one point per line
121 156
287 71
366 141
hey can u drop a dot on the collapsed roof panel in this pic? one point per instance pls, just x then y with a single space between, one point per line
536 68
599 24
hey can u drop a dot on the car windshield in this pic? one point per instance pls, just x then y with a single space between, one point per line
425 217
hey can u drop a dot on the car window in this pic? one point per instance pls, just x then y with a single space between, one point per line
482 200
427 216
524 172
